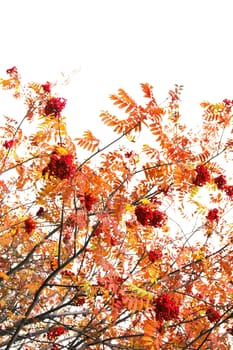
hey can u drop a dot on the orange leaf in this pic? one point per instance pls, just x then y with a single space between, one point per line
4 276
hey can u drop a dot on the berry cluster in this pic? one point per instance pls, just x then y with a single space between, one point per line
8 144
12 71
55 332
213 215
89 200
67 236
60 166
202 177
155 255
113 241
55 347
30 225
79 301
212 314
229 191
46 87
128 154
147 216
221 183
67 274
228 103
165 308
54 106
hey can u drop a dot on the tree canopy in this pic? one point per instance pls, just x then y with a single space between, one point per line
127 249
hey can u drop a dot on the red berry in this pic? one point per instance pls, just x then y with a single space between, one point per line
212 314
54 106
165 308
202 176
8 144
12 71
155 255
30 225
146 216
220 182
213 215
46 87
229 191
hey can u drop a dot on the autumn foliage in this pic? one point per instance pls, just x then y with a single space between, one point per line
130 248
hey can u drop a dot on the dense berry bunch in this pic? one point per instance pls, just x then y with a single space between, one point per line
155 255
213 215
144 214
30 225
203 175
212 314
8 144
55 332
147 216
54 106
158 218
165 308
60 166
64 167
220 181
229 191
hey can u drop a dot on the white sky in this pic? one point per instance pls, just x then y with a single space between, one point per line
120 43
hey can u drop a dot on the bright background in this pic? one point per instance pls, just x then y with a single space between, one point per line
120 43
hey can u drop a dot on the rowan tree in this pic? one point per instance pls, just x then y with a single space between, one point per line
130 248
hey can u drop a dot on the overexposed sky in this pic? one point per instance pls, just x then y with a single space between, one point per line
121 43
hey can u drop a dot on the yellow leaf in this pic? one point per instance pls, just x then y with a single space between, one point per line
202 312
36 237
145 201
61 150
194 191
165 228
36 87
131 138
198 255
129 208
